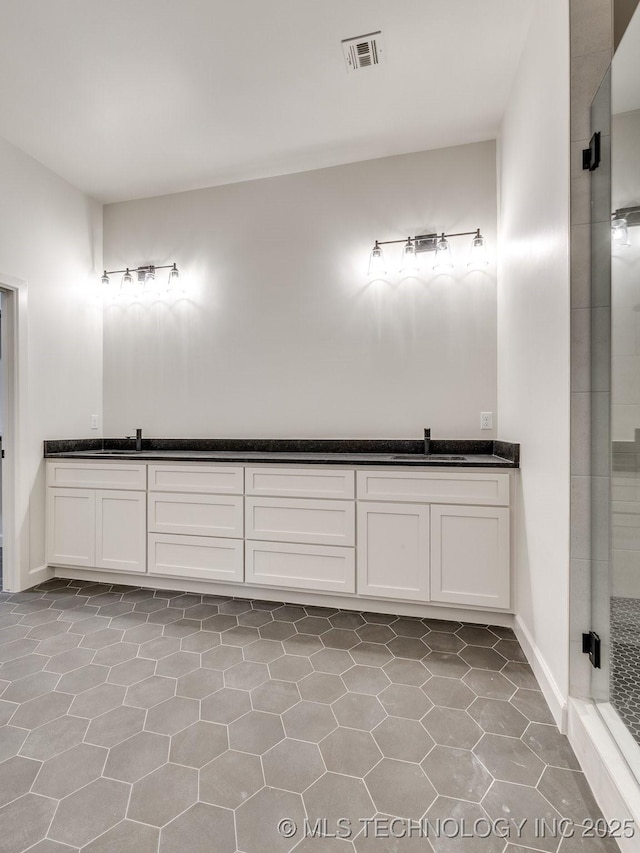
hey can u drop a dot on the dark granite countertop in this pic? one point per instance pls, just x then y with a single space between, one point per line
454 453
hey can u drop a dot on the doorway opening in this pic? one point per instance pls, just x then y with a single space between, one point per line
13 341
1 431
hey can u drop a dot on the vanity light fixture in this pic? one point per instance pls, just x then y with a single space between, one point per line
136 282
435 242
621 220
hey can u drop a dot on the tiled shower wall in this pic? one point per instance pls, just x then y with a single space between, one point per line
591 52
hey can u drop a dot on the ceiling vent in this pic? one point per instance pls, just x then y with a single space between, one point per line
363 51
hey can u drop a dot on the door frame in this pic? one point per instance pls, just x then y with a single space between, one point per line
15 499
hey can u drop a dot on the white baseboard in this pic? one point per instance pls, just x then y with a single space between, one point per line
39 575
614 785
552 693
322 599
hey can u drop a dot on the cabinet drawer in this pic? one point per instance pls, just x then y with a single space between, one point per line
315 522
300 482
202 479
318 567
468 488
198 557
199 515
470 555
97 475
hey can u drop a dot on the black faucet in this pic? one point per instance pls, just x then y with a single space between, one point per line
138 438
427 441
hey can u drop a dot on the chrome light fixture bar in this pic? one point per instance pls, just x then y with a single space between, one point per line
145 280
438 243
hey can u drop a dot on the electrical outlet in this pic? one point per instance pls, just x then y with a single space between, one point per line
94 422
486 420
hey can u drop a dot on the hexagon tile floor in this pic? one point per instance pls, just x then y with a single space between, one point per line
144 721
625 661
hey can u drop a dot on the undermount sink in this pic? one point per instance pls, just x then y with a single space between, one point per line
118 452
437 457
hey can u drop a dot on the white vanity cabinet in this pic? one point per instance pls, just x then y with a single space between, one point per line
397 534
96 516
434 536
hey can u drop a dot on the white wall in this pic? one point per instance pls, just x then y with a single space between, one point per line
533 335
281 335
50 238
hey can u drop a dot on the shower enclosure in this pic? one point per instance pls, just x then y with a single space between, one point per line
615 394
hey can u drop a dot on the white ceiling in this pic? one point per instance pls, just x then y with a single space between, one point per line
131 98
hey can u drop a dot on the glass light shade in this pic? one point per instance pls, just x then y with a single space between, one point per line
377 266
174 282
443 260
127 282
137 285
409 261
150 283
478 254
110 289
619 232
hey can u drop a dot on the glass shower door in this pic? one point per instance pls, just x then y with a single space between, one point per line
615 396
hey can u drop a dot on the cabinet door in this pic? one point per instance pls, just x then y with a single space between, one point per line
121 520
470 555
393 550
71 527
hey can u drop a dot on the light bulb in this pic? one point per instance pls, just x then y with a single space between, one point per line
105 281
619 232
409 261
478 253
443 259
377 266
